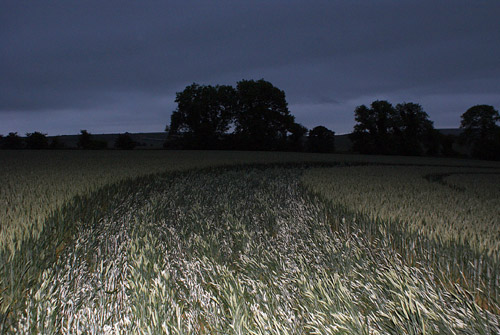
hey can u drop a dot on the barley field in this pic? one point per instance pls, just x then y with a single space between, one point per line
247 243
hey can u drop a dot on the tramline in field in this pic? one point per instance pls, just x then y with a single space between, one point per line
256 249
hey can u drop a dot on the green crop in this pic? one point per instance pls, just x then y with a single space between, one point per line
445 216
180 243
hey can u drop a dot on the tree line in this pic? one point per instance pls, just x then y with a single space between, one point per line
254 115
39 141
405 129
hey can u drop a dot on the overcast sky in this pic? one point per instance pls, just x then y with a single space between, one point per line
114 66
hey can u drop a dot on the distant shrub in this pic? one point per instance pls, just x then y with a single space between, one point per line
36 141
321 139
86 142
56 143
12 142
125 142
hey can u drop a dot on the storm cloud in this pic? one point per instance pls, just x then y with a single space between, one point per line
114 66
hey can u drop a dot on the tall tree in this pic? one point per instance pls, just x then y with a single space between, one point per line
203 115
481 132
262 117
415 133
373 133
321 139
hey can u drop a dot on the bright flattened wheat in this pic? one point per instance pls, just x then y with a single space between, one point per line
262 257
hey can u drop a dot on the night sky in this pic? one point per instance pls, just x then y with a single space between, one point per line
114 66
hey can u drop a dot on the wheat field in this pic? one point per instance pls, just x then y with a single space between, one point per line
247 243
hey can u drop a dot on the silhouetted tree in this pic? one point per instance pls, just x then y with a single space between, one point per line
125 142
203 116
86 142
296 136
12 142
256 111
321 139
36 141
262 116
414 132
481 132
373 133
56 143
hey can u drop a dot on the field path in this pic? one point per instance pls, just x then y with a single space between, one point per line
234 251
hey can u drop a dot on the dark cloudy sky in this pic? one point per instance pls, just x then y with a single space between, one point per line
114 66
